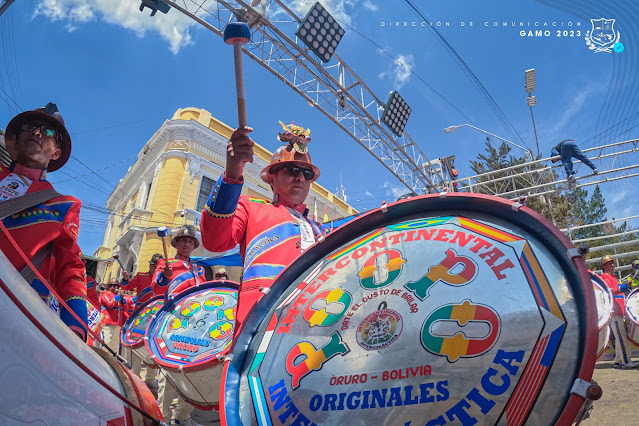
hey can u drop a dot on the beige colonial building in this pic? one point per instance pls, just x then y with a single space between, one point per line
169 183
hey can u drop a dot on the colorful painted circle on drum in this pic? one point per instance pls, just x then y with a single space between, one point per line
431 321
135 327
194 328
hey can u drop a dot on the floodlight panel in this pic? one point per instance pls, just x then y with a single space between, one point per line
531 100
396 114
320 32
530 80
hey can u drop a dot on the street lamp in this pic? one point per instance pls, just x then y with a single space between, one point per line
451 129
531 100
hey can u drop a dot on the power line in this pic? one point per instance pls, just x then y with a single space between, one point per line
94 171
389 54
474 79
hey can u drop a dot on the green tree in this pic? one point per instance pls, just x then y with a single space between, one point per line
553 207
588 211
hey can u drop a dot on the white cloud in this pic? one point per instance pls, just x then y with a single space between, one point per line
400 71
173 27
368 193
369 6
337 8
394 192
578 102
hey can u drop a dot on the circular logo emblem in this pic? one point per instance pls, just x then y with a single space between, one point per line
379 329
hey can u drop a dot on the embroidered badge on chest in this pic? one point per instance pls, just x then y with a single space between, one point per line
13 185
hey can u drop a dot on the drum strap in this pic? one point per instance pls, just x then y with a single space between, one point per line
29 274
16 205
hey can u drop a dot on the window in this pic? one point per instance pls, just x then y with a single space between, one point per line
206 186
148 193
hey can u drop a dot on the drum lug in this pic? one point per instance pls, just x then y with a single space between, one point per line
573 252
591 392
444 193
580 387
265 290
384 207
516 205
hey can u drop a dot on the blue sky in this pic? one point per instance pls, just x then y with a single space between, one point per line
116 74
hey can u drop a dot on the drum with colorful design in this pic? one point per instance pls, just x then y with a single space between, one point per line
190 336
437 310
134 330
603 299
632 316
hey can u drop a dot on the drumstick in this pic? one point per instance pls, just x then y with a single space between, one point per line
163 232
116 256
238 33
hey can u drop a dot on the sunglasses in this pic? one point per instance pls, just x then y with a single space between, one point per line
45 129
293 170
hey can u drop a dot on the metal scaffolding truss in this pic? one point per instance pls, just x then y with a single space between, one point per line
333 88
615 161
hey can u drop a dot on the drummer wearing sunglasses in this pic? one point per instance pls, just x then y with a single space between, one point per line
270 234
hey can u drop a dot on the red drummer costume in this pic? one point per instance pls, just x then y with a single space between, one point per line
170 278
141 284
47 229
113 306
92 292
623 349
270 234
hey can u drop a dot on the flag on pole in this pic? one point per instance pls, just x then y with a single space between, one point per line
315 212
325 214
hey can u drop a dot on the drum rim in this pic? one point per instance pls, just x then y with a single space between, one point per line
501 208
127 324
597 278
626 310
168 304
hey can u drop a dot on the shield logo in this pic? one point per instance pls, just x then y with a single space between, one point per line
602 33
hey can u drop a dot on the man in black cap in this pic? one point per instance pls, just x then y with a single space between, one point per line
43 223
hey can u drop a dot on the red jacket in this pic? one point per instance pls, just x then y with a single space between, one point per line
113 307
619 307
269 236
92 292
55 221
141 283
185 275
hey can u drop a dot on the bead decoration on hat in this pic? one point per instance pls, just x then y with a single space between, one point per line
296 136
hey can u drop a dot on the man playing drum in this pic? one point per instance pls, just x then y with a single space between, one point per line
170 278
270 234
112 305
43 223
174 275
622 345
141 284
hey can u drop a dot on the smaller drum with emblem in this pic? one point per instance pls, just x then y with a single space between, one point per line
134 330
632 316
603 298
190 337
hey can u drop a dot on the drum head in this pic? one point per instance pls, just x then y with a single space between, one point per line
603 299
436 309
632 306
194 327
134 329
